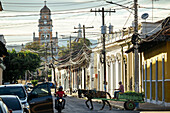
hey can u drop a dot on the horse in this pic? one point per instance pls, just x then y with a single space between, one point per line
90 94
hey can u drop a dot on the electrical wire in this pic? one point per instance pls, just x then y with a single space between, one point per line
64 10
127 20
59 3
154 8
146 40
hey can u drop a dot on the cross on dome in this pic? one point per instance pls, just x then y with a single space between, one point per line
45 2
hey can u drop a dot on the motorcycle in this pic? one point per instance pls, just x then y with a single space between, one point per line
59 104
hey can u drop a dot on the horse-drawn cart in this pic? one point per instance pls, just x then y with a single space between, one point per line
130 99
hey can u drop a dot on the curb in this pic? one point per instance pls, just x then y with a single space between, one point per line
122 107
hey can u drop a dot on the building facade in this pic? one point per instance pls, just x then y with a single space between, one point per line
119 65
155 65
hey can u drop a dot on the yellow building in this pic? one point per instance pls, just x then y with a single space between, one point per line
155 65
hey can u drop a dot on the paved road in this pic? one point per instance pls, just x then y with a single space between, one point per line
75 105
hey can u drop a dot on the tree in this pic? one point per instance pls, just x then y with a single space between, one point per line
17 63
74 46
41 50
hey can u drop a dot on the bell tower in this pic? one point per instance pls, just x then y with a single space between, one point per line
45 24
45 27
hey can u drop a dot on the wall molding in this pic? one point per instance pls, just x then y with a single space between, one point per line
166 80
158 102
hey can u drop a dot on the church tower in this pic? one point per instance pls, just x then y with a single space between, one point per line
45 27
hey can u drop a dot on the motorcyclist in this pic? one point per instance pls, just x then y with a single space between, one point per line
60 94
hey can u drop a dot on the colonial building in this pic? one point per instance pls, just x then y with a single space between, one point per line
45 27
119 65
156 63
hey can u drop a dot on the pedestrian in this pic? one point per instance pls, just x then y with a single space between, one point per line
120 89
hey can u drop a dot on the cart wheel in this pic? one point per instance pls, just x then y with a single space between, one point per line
129 105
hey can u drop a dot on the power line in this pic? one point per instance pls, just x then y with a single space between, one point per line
58 3
153 8
73 9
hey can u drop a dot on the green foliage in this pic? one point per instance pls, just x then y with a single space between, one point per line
74 46
133 93
17 63
34 82
33 45
36 47
49 75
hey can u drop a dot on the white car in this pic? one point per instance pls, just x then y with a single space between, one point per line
16 89
4 108
13 103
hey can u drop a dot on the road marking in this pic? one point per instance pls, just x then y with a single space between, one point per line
155 112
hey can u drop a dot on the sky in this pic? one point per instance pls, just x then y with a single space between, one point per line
19 19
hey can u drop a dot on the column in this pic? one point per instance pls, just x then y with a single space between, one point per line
107 76
101 78
150 80
156 82
128 72
146 81
116 74
82 80
111 77
163 80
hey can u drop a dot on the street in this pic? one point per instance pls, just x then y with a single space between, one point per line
75 105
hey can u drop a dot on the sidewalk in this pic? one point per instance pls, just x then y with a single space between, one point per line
142 106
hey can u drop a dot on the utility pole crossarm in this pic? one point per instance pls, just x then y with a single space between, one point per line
83 27
83 31
102 11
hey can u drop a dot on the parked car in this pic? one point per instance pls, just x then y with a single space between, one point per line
16 89
40 99
13 103
4 108
29 85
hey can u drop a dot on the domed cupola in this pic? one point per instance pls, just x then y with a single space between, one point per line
45 10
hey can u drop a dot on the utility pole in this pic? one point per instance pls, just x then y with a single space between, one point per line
84 34
134 41
46 70
103 51
136 46
70 70
53 65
